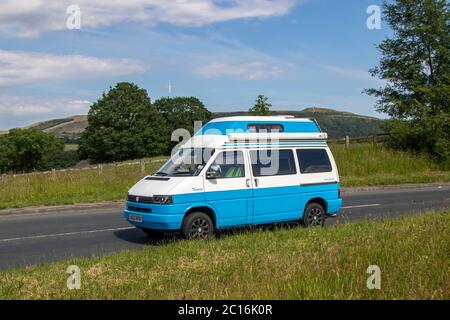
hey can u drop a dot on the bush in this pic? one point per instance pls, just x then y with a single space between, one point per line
24 150
63 160
430 135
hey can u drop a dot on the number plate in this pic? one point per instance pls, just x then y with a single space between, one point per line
135 218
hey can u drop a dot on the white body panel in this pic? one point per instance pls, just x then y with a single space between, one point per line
149 188
276 136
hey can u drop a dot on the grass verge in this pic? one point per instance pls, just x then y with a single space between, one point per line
296 263
359 165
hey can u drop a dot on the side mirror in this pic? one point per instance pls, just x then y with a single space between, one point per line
214 172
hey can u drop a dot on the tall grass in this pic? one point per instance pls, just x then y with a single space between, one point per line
317 263
69 187
374 164
359 165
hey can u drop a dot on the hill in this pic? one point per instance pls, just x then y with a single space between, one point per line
68 129
337 124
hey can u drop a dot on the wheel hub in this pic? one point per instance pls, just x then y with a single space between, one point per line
315 217
200 229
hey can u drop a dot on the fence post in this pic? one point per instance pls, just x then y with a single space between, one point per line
374 141
347 141
100 167
54 174
142 166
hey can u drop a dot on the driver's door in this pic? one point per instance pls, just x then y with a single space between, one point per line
227 188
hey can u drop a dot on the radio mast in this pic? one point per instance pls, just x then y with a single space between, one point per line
169 87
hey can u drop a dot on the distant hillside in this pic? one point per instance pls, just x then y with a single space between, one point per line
337 124
68 129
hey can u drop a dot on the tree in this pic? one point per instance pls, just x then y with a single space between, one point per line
415 65
181 112
261 107
5 154
24 150
123 124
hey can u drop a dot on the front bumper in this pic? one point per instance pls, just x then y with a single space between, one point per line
162 217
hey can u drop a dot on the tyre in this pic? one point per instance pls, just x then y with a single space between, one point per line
314 215
197 226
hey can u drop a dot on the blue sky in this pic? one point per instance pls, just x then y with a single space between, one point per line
225 52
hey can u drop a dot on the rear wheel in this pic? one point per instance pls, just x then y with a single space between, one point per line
314 215
197 225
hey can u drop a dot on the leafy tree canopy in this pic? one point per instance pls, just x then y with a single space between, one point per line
123 124
415 64
181 112
24 150
261 107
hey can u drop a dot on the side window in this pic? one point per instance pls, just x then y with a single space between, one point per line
228 164
313 160
272 162
265 128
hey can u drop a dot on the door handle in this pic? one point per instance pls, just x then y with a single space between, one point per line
247 182
256 182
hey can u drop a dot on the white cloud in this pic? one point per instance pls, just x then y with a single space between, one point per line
19 111
199 12
19 67
29 18
248 70
350 73
14 106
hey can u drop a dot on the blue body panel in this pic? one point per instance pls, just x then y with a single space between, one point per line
225 127
240 207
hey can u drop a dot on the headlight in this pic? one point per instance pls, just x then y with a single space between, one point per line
162 199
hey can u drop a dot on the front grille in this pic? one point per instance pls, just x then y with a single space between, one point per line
137 209
157 178
139 199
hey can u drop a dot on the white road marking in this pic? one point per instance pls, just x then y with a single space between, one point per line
362 206
64 234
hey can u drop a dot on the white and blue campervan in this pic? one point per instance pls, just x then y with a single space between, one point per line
240 171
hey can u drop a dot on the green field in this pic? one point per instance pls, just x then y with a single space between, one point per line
369 164
316 263
69 187
359 165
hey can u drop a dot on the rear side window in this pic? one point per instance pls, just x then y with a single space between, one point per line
265 128
313 160
272 162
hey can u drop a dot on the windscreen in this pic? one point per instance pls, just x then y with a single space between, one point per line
186 162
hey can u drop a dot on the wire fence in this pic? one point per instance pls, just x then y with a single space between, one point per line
347 140
99 167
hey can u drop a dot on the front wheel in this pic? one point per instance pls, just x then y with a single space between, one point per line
197 225
314 215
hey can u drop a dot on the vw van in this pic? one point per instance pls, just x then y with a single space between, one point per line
240 171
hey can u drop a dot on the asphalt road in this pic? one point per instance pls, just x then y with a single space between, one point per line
27 239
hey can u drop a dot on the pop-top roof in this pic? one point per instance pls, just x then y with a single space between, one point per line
233 132
224 126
